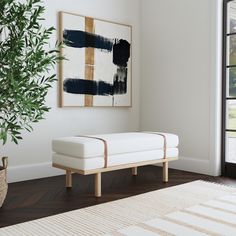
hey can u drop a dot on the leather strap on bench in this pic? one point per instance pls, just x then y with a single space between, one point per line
105 147
165 142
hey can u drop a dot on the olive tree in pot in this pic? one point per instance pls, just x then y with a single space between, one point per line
25 65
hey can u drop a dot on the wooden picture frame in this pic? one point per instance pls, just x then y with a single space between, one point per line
98 69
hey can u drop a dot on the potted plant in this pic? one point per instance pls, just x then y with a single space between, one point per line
3 180
25 77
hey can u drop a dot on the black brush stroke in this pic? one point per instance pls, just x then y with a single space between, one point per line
91 87
120 81
82 39
121 52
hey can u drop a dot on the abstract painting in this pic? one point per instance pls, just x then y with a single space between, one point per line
97 69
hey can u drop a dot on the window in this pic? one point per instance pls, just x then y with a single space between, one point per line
229 90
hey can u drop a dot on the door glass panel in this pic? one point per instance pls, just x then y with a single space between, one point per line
231 114
231 82
231 21
230 147
231 50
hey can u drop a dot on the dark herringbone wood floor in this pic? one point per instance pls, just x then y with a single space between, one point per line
44 197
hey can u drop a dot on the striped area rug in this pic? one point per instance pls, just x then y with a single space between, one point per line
215 217
196 208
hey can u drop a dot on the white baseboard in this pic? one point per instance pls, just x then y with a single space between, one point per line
34 171
42 170
192 165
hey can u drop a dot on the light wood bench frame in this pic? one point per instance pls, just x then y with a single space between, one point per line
98 172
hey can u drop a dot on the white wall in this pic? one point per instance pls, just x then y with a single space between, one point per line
180 88
31 158
179 91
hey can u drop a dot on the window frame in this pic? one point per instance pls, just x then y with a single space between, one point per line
227 168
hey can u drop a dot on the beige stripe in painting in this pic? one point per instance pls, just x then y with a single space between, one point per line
89 61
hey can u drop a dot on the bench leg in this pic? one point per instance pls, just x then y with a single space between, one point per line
165 172
135 171
98 185
68 179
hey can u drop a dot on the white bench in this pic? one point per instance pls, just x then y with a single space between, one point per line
94 154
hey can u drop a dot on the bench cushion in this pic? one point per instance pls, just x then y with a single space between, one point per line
119 159
118 143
